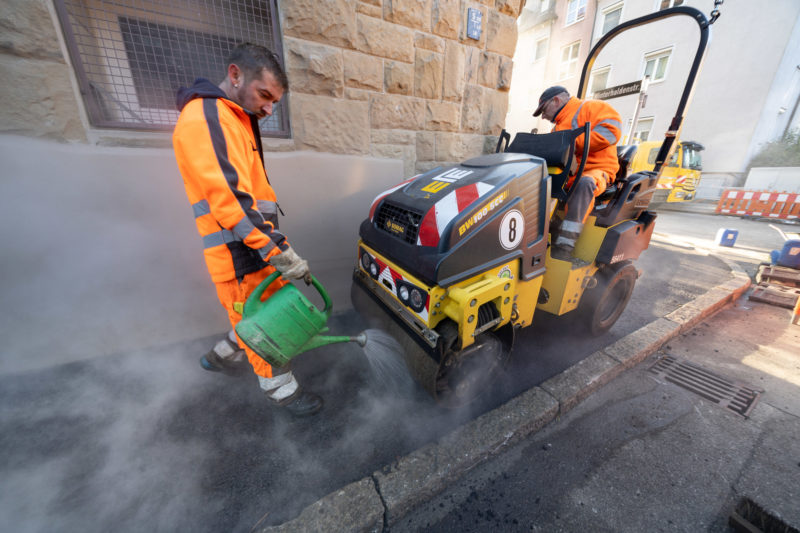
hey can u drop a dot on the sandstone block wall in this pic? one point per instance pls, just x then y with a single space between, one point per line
387 78
399 78
38 99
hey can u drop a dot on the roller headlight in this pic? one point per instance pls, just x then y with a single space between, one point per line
411 295
403 293
366 260
373 269
416 298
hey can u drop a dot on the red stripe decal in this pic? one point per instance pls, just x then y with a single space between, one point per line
466 195
428 232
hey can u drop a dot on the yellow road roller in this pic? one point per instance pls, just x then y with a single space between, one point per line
451 262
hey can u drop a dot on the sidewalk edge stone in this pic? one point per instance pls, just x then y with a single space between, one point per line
574 384
427 471
356 507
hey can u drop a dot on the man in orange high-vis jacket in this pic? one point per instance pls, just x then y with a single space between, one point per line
218 148
601 167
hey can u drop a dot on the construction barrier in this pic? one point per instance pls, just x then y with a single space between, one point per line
796 312
768 204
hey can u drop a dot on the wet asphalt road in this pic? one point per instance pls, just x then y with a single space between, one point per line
149 441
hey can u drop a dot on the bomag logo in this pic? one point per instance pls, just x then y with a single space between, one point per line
394 227
482 212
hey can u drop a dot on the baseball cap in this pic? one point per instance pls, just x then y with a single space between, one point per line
547 95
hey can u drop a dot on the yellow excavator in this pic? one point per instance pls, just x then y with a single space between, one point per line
453 261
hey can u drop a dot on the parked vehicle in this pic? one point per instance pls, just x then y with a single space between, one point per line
680 177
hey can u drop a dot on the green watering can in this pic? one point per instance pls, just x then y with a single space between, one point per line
287 323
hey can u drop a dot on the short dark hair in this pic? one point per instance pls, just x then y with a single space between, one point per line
253 58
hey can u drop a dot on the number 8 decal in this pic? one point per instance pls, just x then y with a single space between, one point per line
512 227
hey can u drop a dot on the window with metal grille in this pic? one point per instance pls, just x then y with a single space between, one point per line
131 56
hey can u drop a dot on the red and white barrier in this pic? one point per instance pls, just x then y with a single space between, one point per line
767 204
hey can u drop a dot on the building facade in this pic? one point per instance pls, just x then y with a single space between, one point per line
747 92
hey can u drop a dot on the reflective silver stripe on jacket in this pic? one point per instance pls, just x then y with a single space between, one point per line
575 117
225 236
606 133
267 208
201 208
220 237
263 252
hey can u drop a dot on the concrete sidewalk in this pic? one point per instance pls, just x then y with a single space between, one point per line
382 499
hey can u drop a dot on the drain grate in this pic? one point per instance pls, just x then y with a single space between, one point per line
749 517
735 396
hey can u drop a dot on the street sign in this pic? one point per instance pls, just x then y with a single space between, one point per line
474 17
620 90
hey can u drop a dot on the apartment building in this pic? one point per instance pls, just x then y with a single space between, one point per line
747 93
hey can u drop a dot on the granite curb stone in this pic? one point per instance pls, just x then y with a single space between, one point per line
573 385
634 348
355 507
425 472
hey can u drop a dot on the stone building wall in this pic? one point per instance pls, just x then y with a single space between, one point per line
398 78
393 79
38 96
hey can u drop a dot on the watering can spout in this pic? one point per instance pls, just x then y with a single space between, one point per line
323 340
360 339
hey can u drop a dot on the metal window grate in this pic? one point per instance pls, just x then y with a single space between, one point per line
131 56
399 222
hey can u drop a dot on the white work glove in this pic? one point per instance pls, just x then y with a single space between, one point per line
291 265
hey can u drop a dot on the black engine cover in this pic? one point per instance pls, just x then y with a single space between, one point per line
451 223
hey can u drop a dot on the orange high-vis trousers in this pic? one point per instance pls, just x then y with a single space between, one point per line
233 291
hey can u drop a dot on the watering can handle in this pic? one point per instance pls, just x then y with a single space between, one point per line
321 290
254 300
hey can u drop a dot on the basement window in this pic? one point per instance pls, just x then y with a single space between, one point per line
131 56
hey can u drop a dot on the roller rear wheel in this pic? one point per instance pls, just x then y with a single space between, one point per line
602 305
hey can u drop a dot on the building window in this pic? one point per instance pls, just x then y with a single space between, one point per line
540 49
655 65
569 60
599 79
611 17
666 4
643 129
131 56
576 11
545 5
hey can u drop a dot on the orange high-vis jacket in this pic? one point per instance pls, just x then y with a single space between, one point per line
606 131
218 149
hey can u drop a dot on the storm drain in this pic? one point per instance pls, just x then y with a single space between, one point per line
749 517
737 397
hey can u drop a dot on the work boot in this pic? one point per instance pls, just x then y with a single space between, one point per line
282 389
226 357
302 403
564 246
